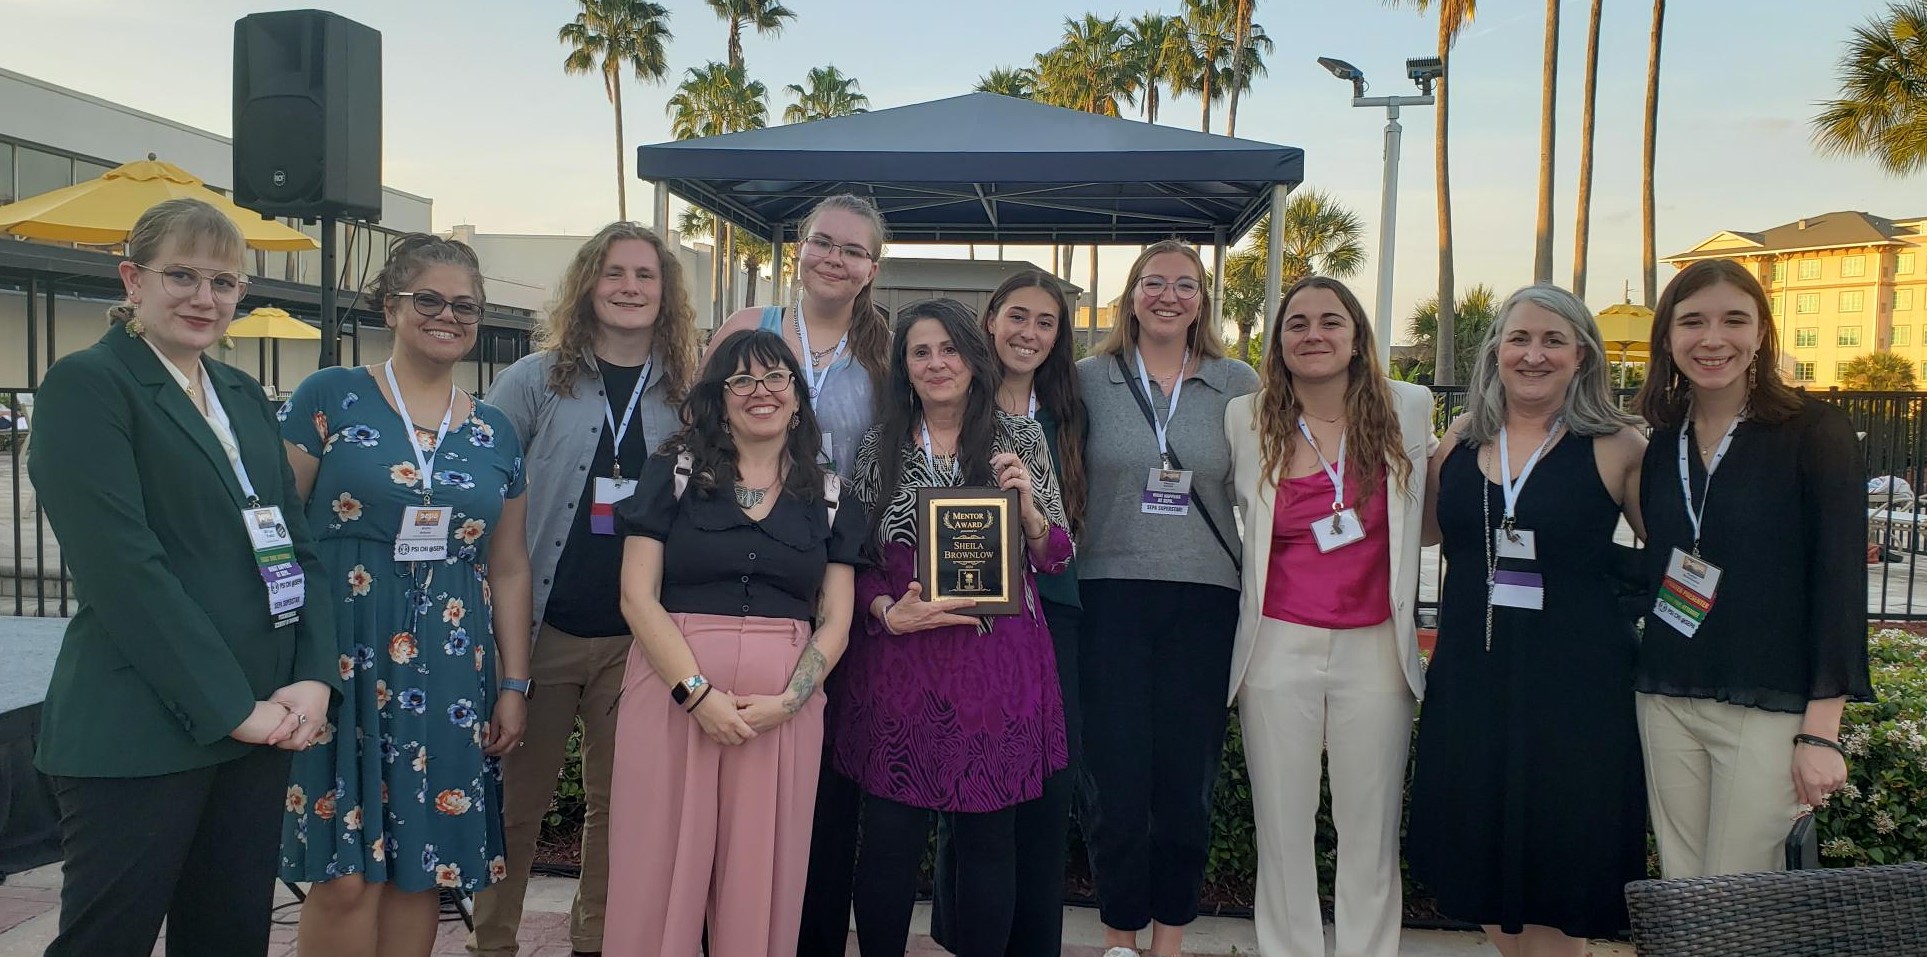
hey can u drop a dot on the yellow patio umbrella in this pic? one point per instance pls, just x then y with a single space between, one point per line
1626 330
269 322
101 212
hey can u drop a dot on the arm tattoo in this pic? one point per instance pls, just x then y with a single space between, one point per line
809 669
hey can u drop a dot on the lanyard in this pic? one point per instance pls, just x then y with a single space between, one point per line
1686 483
425 460
930 455
1512 487
1033 403
810 376
1334 472
218 413
617 431
1158 425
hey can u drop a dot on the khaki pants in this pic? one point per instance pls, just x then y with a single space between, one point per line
1339 695
573 677
1719 778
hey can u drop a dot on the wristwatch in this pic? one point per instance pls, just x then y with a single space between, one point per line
524 685
686 687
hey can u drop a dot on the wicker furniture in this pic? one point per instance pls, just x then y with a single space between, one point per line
1870 911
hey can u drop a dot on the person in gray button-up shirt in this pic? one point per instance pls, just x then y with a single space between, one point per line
606 389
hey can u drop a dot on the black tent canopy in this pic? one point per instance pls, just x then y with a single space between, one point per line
984 168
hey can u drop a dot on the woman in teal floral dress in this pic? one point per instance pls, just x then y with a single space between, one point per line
398 796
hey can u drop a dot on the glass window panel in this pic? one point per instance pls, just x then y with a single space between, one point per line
1809 269
6 173
1803 371
1806 337
1852 300
1903 300
1903 335
1847 336
41 172
1853 266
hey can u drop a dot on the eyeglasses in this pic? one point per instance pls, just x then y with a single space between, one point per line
823 247
1154 286
775 380
428 305
185 281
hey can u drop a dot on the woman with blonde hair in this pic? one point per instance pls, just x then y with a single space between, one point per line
203 648
1158 571
1328 459
1527 812
618 350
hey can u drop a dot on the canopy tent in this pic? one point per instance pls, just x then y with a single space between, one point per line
985 168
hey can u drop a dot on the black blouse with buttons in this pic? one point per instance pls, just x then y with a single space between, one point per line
719 561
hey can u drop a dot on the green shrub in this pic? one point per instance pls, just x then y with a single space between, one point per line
1880 816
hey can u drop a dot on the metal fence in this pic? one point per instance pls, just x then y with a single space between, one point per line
1893 428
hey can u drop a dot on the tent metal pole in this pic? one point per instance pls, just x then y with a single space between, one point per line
1217 280
660 207
1275 261
776 264
1095 301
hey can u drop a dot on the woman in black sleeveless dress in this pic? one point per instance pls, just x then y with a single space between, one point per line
1528 814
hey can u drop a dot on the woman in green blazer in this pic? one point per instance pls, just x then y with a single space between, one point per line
194 663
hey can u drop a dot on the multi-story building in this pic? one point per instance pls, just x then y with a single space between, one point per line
1842 284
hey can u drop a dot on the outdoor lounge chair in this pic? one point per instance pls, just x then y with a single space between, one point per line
1857 911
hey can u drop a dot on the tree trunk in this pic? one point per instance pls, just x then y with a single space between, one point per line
1582 218
1244 338
622 180
1206 97
1447 359
1648 261
1151 103
736 43
1242 36
1548 122
751 268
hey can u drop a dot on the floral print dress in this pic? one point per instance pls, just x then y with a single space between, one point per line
396 787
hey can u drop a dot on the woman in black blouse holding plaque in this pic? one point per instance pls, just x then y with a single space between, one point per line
738 542
1755 508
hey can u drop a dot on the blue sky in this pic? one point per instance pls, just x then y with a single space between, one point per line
480 117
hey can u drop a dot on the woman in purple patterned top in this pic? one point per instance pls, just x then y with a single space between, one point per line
937 710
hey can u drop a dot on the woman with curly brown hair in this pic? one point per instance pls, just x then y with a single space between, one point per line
618 350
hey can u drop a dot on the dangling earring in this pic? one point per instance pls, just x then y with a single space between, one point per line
134 327
1752 374
796 419
726 429
227 341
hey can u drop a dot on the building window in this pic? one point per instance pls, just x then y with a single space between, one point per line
1775 271
1903 336
1803 371
1853 266
1806 302
1903 300
1851 300
1809 269
1806 337
1778 306
1904 264
41 172
1846 336
6 173
1839 371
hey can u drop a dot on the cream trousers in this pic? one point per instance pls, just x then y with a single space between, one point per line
1719 779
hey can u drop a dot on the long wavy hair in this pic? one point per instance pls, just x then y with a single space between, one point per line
192 226
1206 343
1663 398
1588 409
898 429
705 414
569 327
1372 436
869 322
1056 384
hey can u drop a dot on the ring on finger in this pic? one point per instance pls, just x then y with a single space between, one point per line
300 718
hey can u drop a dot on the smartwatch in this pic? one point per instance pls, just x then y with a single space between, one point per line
524 685
686 687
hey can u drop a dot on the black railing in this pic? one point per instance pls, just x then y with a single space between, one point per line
33 581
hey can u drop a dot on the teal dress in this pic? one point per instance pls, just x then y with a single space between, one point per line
397 788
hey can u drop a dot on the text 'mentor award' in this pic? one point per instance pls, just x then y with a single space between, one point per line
969 545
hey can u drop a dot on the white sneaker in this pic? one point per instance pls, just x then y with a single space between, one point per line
1121 952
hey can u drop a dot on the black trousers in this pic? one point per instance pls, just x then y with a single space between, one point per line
985 856
825 930
1043 828
199 848
1156 665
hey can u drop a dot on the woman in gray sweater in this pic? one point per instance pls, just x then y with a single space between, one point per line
1158 573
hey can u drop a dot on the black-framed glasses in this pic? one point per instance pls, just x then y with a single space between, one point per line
428 305
1154 286
775 380
185 281
822 246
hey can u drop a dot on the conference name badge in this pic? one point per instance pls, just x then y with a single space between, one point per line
274 558
1514 582
1167 492
1341 529
1686 593
424 534
602 507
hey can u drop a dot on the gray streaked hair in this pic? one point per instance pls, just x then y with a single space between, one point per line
1588 409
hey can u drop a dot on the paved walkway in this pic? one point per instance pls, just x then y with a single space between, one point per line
29 903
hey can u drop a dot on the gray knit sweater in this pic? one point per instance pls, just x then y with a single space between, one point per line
1119 541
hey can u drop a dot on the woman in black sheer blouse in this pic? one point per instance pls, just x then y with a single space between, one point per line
1758 633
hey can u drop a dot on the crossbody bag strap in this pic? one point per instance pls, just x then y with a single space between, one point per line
1150 418
685 466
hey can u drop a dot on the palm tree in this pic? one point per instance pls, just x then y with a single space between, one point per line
1649 254
1241 38
697 223
764 16
1092 69
1453 15
1320 235
829 93
1020 82
1882 110
1214 64
608 36
1159 47
1582 220
1470 319
713 100
1548 98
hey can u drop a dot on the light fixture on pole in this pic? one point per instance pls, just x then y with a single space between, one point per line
1423 71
